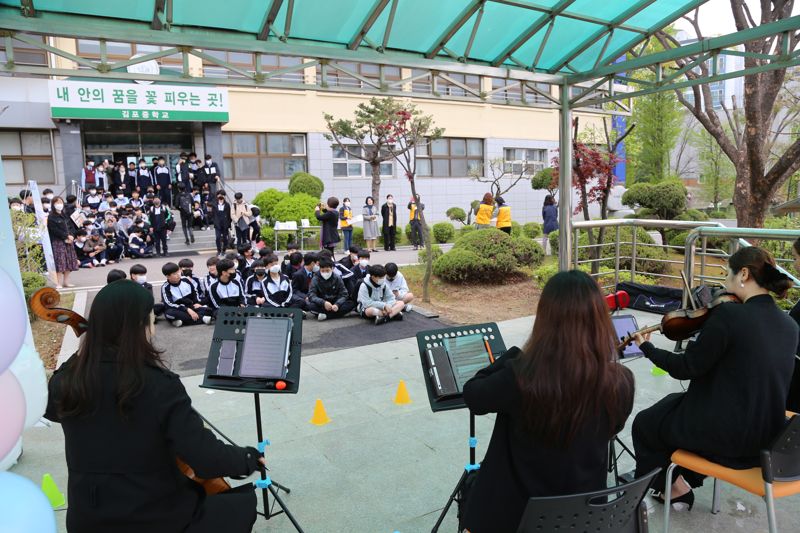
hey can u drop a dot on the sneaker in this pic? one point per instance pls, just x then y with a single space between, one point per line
177 323
168 237
206 319
408 308
379 320
398 317
186 243
95 262
322 316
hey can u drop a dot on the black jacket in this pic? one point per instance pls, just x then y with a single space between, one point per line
222 218
159 221
122 471
793 401
59 226
385 214
330 290
519 464
330 226
301 281
740 368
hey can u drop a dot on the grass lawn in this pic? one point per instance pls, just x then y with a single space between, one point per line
47 336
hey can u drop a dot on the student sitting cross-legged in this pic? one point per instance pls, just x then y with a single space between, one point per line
397 284
181 301
226 290
267 286
328 296
375 300
301 281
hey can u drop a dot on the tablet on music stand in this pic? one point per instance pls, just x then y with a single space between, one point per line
624 325
265 351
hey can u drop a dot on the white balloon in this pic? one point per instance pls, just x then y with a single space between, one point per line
30 373
12 457
15 319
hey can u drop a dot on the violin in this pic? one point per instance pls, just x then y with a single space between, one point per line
681 324
44 304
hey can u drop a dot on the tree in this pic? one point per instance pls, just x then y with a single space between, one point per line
715 170
408 128
546 180
761 165
499 171
369 130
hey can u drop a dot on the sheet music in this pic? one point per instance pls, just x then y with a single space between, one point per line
467 355
265 353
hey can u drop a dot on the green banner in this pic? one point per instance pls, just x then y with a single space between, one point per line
137 114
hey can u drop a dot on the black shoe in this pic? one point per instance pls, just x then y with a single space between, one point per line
681 503
192 237
398 316
186 243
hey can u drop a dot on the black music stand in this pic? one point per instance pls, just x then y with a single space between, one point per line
230 325
432 338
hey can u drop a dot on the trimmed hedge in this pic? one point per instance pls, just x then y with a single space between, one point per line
456 213
679 239
487 243
527 252
443 232
305 183
267 200
606 276
423 253
463 265
532 230
295 207
466 229
516 229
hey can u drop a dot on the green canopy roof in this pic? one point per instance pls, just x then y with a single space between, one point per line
547 36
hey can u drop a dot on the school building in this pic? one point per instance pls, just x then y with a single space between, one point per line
263 135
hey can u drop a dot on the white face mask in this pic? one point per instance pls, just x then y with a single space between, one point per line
285 261
364 263
16 207
326 275
143 165
142 279
275 269
347 204
315 269
58 207
390 201
378 282
48 196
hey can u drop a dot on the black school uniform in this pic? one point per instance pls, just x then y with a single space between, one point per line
793 401
122 471
226 294
164 182
144 179
179 298
130 181
740 368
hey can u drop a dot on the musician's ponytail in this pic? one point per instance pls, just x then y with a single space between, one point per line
762 267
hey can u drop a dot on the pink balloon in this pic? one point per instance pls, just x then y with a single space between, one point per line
12 414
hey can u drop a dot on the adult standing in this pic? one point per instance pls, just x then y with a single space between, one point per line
346 223
182 172
370 213
59 226
222 222
211 175
101 174
160 218
241 219
415 208
503 215
328 215
88 174
389 219
550 217
483 216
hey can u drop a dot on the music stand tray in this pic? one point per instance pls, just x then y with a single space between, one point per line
231 326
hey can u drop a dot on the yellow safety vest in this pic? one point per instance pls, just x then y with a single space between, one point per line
504 217
484 215
413 212
347 213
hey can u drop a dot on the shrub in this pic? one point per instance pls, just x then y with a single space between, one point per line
267 200
527 252
679 239
358 237
32 282
437 253
692 214
626 235
545 179
463 266
295 207
443 232
605 277
303 182
407 232
487 243
516 229
780 249
466 229
666 198
718 214
458 214
532 230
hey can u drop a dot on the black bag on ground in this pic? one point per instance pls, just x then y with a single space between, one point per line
661 300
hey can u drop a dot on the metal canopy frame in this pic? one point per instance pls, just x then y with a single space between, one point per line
602 84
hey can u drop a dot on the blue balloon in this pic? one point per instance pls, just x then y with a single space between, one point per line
23 506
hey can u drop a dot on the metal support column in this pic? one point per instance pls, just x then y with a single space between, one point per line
565 181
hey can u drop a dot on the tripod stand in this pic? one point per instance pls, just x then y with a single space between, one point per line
471 466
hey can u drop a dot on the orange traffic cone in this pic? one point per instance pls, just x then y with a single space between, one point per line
320 417
402 397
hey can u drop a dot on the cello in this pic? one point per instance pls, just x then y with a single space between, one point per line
44 304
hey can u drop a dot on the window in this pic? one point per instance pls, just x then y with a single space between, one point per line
448 88
24 54
27 155
512 92
525 160
263 155
346 165
273 62
450 157
116 51
337 78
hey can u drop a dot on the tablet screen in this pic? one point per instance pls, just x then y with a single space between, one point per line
625 324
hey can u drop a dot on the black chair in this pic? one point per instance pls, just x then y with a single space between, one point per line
620 509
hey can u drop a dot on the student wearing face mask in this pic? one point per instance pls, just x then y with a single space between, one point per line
351 259
136 202
389 217
101 174
287 268
88 175
93 199
89 255
137 245
226 291
301 281
163 181
138 273
375 299
48 193
361 269
211 277
46 206
129 180
144 178
276 288
181 301
222 222
159 217
186 266
328 296
346 223
59 227
370 212
210 175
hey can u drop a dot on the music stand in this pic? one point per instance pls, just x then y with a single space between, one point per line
231 326
431 338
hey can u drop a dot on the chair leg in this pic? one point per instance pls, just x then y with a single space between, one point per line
668 495
715 505
770 501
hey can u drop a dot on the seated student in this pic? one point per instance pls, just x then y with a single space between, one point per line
198 216
291 249
351 259
114 248
211 277
397 284
301 281
276 288
86 253
180 298
115 274
137 246
254 291
226 291
343 272
265 251
375 300
550 437
236 259
138 273
246 259
187 271
328 296
117 400
294 266
93 199
361 269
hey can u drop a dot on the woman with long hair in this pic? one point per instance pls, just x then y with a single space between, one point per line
126 419
62 238
559 400
740 367
483 215
549 218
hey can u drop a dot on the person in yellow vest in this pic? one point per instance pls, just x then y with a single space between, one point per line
503 215
346 223
483 216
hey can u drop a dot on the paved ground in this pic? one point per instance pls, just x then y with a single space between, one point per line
381 467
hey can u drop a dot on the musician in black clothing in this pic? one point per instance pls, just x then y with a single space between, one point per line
181 300
550 437
740 367
793 401
126 419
